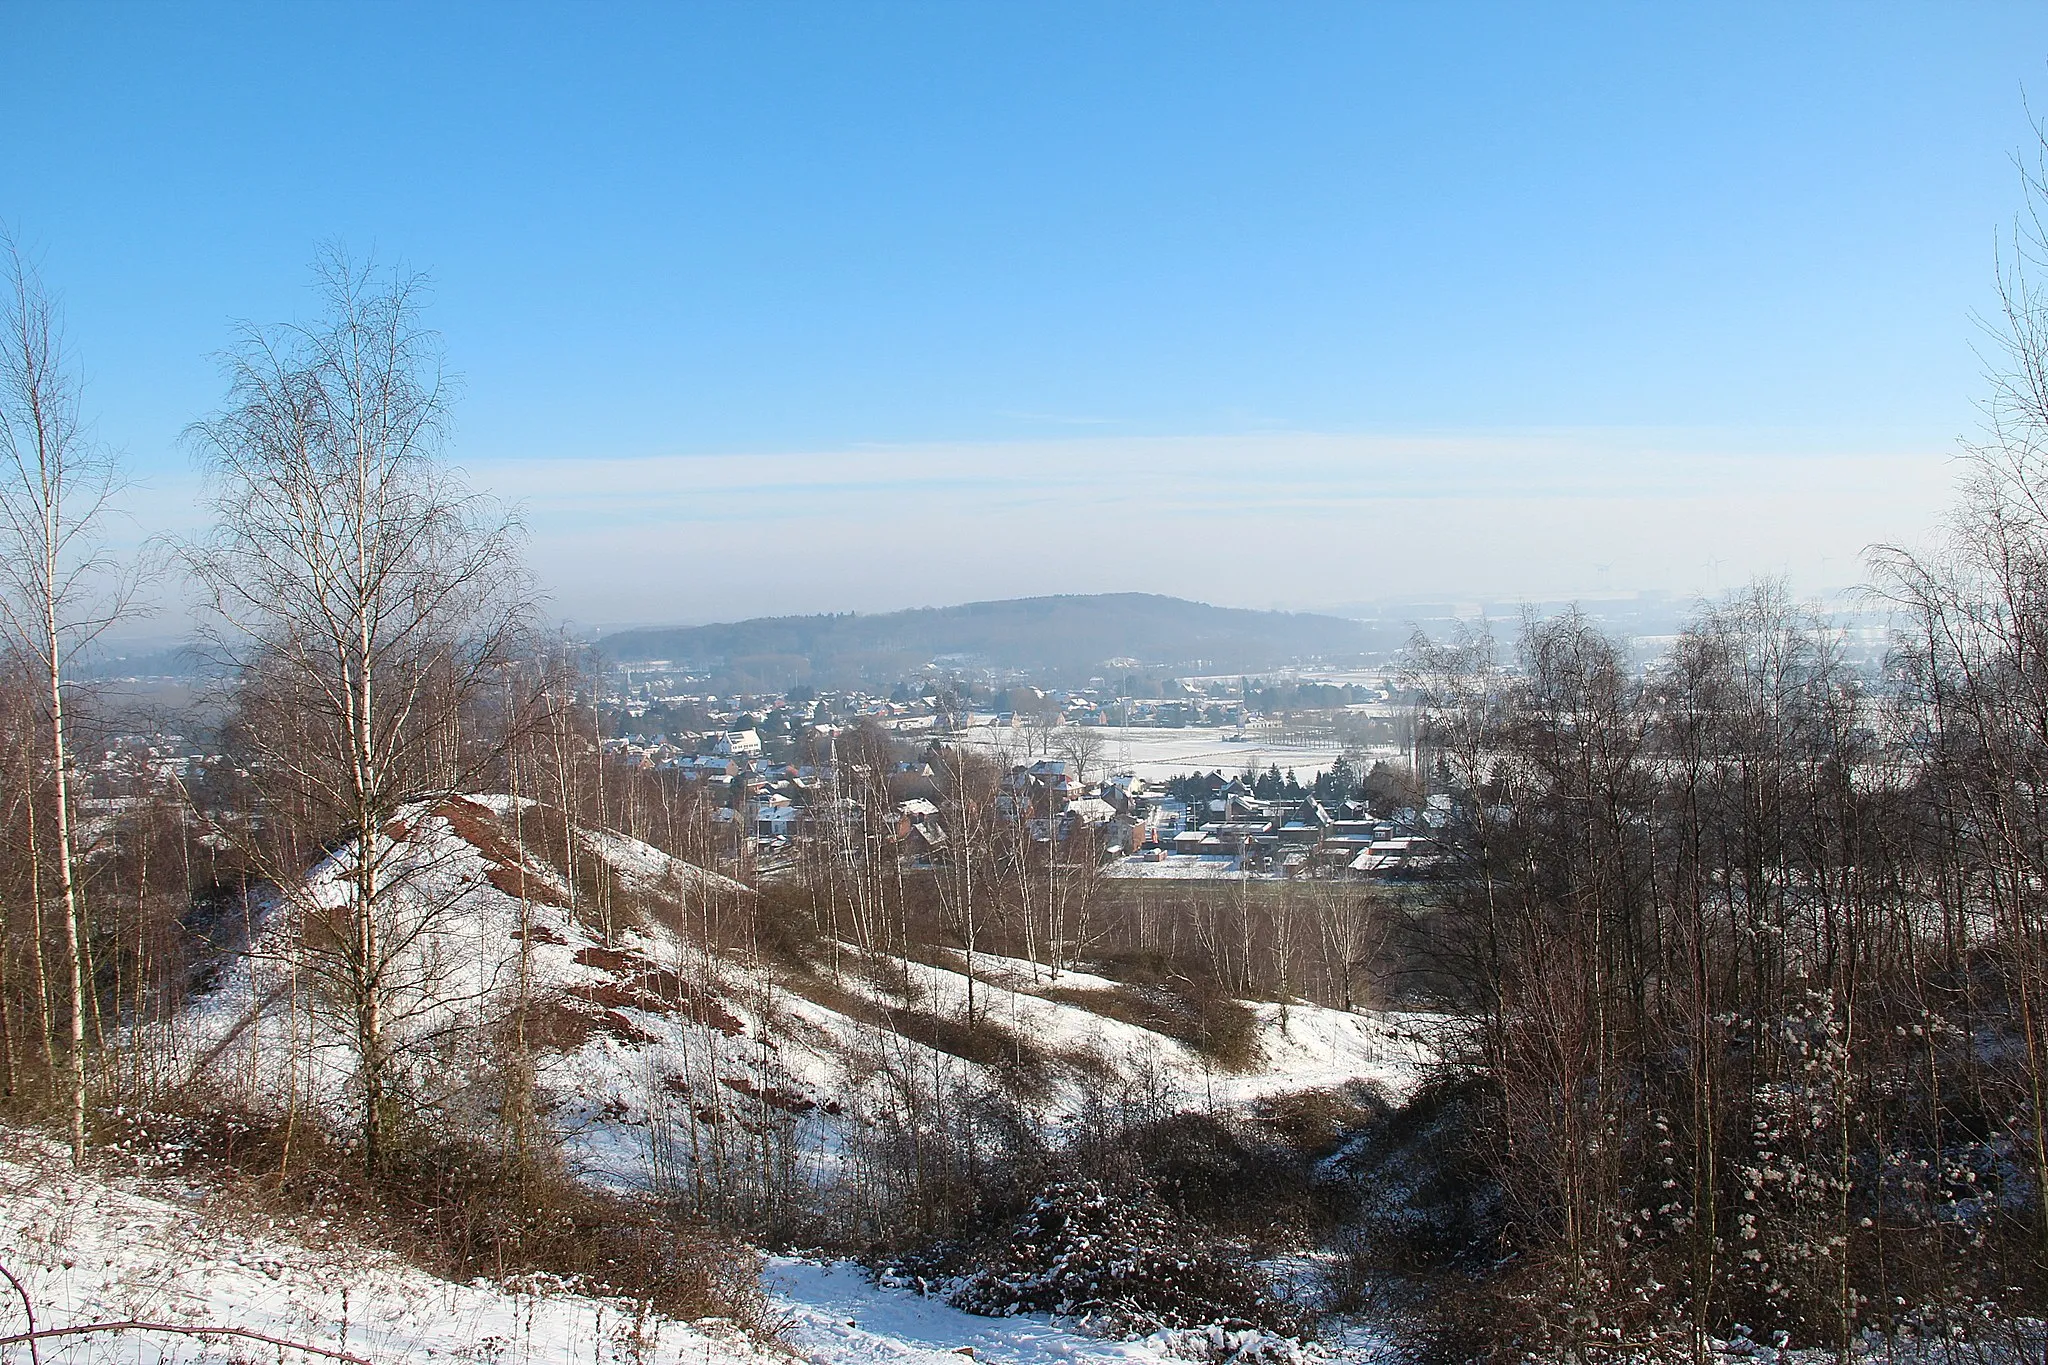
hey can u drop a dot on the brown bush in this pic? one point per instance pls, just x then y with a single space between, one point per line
1224 1030
774 1096
556 1024
1314 1122
614 960
1021 1065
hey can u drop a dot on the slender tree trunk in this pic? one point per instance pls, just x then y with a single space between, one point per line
558 728
9 1074
370 1003
74 951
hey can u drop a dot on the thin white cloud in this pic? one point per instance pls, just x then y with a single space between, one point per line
1260 520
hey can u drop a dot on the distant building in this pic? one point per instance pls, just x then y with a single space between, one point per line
737 744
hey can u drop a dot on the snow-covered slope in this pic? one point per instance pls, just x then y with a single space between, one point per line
657 1055
89 1247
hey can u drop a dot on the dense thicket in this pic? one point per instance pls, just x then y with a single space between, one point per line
1752 945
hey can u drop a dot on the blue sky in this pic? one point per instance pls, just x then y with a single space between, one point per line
825 307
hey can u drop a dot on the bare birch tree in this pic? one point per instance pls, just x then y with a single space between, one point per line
58 582
967 873
1977 657
366 596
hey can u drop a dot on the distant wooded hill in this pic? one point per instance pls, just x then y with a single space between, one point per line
1062 636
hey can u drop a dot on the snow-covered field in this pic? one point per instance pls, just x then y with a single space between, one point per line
1302 1047
1180 867
1156 754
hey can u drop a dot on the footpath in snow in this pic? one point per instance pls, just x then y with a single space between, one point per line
838 1315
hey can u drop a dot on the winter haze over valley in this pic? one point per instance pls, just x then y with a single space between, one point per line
887 685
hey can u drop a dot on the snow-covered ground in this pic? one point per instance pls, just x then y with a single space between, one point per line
91 1247
1302 1047
88 1247
838 1315
1192 867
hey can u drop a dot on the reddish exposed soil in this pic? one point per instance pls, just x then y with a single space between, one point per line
775 1097
519 883
614 960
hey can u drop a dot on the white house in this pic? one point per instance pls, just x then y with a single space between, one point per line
737 744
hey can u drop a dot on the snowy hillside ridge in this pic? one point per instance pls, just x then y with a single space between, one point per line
476 917
658 1055
90 1248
